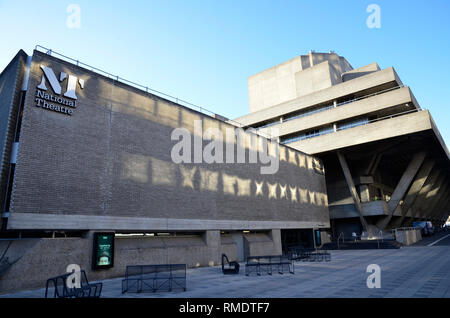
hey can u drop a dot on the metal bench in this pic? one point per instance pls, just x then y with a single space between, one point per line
300 253
229 267
145 278
60 288
308 254
259 264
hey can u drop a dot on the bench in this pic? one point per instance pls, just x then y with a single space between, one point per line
319 256
229 267
61 289
144 278
308 254
299 253
259 264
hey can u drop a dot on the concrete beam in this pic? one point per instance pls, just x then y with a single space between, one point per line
442 202
371 163
431 180
433 207
374 131
442 210
416 186
405 180
352 189
445 211
402 186
44 221
431 197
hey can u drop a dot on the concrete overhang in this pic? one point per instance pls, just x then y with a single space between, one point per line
365 106
439 138
360 71
379 130
359 84
373 208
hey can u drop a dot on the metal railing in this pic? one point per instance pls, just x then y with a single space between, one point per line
340 234
382 238
147 89
287 118
362 123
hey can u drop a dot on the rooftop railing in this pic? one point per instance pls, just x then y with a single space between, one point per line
147 89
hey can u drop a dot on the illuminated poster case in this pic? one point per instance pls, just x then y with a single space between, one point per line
103 250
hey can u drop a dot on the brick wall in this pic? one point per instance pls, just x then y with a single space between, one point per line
10 85
111 158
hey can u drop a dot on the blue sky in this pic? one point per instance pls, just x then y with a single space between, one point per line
203 51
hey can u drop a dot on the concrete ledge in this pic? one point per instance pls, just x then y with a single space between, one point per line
384 129
358 108
365 82
87 222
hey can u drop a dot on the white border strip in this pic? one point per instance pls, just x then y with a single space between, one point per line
431 244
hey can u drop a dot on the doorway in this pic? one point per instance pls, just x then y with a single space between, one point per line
297 238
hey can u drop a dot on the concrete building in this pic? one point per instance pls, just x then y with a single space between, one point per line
386 163
83 151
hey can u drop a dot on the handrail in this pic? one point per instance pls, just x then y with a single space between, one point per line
147 89
342 233
382 238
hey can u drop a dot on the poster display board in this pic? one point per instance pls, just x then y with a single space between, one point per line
103 250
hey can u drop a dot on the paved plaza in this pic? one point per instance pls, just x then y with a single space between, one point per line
420 271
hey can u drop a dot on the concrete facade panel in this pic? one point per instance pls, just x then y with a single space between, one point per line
385 76
357 108
383 129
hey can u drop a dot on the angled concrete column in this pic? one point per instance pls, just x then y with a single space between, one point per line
414 210
416 186
445 210
442 210
402 186
441 202
434 206
407 222
352 189
371 163
431 197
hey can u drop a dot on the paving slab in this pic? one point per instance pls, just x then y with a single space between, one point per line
419 271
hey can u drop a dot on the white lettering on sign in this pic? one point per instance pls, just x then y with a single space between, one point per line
53 102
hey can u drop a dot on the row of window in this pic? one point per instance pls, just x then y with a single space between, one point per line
323 131
317 109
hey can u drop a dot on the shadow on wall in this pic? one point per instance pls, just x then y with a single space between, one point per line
145 169
160 170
